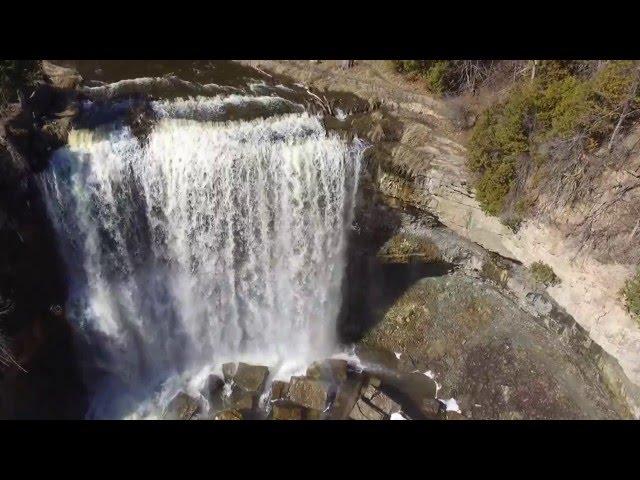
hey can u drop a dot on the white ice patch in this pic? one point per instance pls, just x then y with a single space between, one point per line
397 416
451 404
341 115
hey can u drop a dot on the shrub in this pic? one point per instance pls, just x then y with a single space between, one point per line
610 89
437 77
446 76
561 107
498 138
631 294
544 274
565 99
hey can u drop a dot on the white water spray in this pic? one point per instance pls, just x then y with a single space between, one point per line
213 242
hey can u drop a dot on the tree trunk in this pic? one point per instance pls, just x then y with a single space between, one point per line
625 109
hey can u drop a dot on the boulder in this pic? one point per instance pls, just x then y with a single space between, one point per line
251 378
455 416
311 414
212 391
363 411
181 407
60 77
228 415
380 400
309 393
286 411
141 119
347 395
241 400
54 134
279 390
332 370
433 409
229 370
420 385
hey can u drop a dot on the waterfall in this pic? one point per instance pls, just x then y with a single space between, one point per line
212 241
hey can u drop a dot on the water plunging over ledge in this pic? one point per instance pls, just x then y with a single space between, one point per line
209 242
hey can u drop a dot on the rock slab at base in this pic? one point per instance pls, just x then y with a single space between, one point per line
181 407
251 378
309 393
363 411
287 412
228 415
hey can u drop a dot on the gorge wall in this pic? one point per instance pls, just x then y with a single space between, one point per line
587 233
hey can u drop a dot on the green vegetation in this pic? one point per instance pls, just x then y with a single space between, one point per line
631 294
445 76
435 73
560 102
17 77
544 274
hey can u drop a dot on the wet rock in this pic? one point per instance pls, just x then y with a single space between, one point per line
141 119
251 378
181 407
228 415
310 414
60 77
241 400
332 370
279 390
229 370
308 392
347 395
380 400
54 134
419 385
287 411
212 391
455 416
377 356
363 411
432 409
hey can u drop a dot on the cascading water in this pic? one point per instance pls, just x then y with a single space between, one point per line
211 242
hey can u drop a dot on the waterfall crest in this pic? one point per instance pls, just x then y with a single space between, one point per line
212 242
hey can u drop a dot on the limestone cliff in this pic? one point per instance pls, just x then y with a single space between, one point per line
586 230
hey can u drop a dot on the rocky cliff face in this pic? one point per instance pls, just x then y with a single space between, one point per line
586 231
38 361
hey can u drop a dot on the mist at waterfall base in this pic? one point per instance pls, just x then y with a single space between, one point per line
212 241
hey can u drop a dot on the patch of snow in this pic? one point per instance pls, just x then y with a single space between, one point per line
341 115
451 404
398 355
397 416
